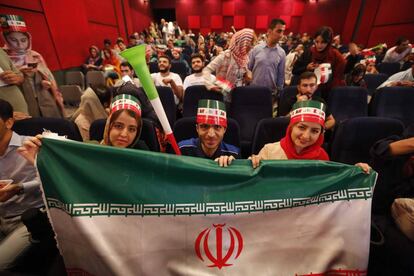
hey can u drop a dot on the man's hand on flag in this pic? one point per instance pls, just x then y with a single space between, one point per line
30 148
224 160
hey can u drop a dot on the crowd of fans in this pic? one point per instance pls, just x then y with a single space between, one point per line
219 61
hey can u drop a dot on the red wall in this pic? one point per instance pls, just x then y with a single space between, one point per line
300 15
63 30
382 21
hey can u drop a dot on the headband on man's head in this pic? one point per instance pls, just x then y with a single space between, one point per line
308 111
12 23
125 101
211 112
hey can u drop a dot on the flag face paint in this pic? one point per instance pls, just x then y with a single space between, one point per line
131 212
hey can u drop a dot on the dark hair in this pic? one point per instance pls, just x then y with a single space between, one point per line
6 110
326 33
119 40
307 75
276 21
107 41
197 55
166 57
134 115
103 93
125 64
358 70
400 40
132 37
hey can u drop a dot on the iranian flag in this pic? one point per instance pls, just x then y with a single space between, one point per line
131 212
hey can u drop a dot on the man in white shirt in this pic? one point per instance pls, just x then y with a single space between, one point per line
397 53
166 78
403 78
127 70
197 65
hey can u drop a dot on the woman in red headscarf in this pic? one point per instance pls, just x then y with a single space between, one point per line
304 137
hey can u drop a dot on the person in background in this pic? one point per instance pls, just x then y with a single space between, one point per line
356 76
404 78
291 59
10 79
231 64
267 60
127 74
39 88
323 53
397 53
94 61
354 56
196 78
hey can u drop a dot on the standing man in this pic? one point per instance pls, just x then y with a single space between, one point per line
22 192
166 78
196 78
267 60
211 127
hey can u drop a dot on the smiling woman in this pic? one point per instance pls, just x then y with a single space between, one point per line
304 136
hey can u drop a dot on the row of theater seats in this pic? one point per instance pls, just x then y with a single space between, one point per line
351 141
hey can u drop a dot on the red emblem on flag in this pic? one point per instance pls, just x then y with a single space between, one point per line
224 252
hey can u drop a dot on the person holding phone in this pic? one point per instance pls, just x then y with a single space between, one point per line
19 191
39 86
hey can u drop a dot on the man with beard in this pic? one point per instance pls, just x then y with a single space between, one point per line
197 65
166 78
211 125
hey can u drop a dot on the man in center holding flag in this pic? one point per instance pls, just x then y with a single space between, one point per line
211 127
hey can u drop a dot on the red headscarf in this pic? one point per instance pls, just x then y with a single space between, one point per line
313 152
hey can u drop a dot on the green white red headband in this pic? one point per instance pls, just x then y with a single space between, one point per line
12 23
127 102
308 111
211 112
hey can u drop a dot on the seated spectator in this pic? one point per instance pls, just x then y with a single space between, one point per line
21 193
197 65
90 109
10 78
127 74
39 88
354 56
211 127
370 65
110 67
397 53
132 41
119 47
307 87
304 137
94 61
122 129
177 57
336 43
404 78
356 76
166 78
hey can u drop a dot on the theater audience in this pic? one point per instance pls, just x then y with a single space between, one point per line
356 76
127 74
397 53
197 65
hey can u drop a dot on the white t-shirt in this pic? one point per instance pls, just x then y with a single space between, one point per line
157 78
192 80
393 56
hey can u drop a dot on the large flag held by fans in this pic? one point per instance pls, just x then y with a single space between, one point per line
130 212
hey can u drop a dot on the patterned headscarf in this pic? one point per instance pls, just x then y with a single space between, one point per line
238 46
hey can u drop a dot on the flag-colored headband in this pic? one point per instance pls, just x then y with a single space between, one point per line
308 111
125 101
211 112
12 23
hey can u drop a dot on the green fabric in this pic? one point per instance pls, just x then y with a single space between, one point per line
314 104
76 173
213 104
